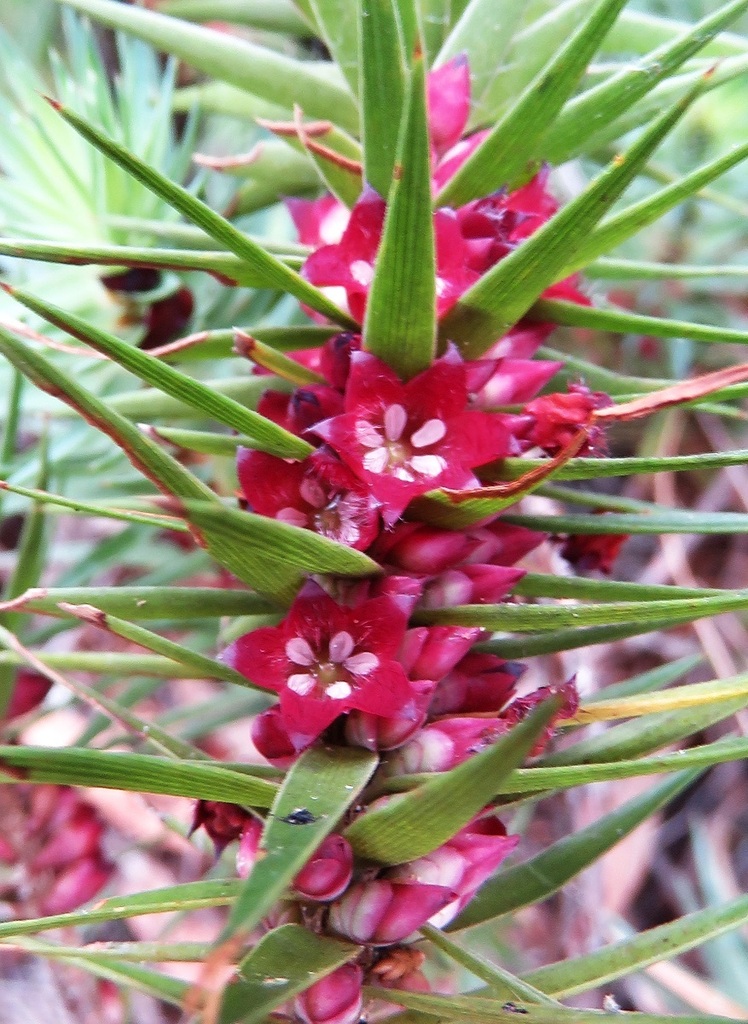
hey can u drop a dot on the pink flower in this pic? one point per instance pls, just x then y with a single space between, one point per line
318 221
222 822
319 494
403 440
432 652
463 863
335 999
301 409
327 874
324 660
380 913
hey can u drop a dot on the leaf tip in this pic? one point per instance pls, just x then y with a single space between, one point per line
55 104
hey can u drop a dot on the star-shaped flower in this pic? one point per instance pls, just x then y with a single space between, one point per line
403 440
324 660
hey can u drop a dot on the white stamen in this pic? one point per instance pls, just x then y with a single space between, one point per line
303 684
312 493
376 461
395 418
367 435
339 690
362 272
341 646
291 516
362 664
428 465
299 652
431 432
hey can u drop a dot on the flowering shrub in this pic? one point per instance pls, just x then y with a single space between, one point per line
363 561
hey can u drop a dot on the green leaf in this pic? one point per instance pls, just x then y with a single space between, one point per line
383 83
547 872
270 15
147 404
571 315
337 23
528 618
150 602
643 270
714 691
476 1010
657 521
283 963
146 456
485 31
413 825
506 292
108 663
400 324
272 556
594 469
570 135
269 435
228 268
506 155
181 898
325 781
262 71
138 773
277 274
634 954
548 585
614 230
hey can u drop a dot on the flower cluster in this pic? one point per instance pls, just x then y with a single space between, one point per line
347 663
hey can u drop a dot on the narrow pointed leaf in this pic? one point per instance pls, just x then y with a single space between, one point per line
658 520
228 268
270 15
109 663
173 382
544 874
506 155
146 456
148 602
650 947
593 469
383 84
571 132
619 226
400 324
137 773
324 781
478 1010
294 958
509 289
337 23
549 585
147 404
258 69
643 270
413 825
275 273
183 898
272 556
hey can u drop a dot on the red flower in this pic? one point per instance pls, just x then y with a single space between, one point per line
324 660
557 418
318 221
319 494
590 552
403 440
448 100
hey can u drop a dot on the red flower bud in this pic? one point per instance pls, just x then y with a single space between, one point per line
335 999
329 871
77 884
382 912
445 744
377 733
223 822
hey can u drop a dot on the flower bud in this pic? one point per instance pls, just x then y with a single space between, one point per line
363 729
382 912
480 682
422 549
463 863
77 884
335 999
29 691
444 744
222 822
271 738
429 653
471 584
329 871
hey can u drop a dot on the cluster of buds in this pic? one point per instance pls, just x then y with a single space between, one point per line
347 664
51 855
